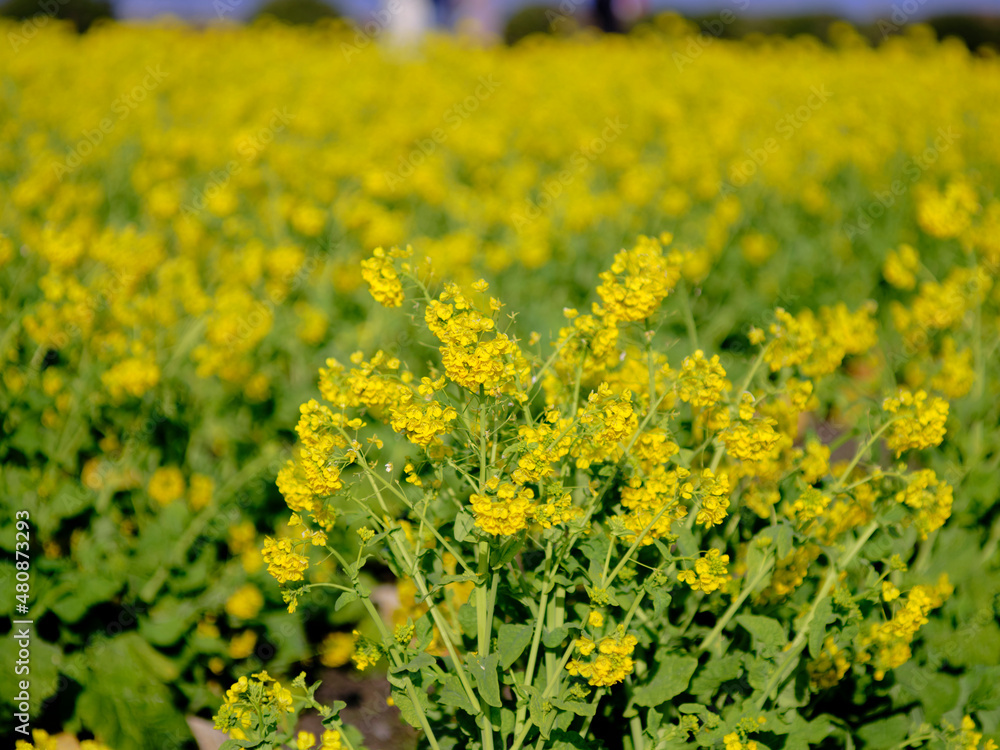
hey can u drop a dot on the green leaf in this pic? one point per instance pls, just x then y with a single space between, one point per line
456 578
671 679
803 734
511 642
424 632
817 628
767 632
416 663
555 637
484 672
344 599
660 599
885 732
580 708
169 620
453 694
46 660
783 540
467 620
686 542
84 591
464 526
507 551
713 674
406 708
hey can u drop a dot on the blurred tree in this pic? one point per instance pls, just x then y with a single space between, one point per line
302 12
531 19
81 12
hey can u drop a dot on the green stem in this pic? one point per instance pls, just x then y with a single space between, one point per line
549 687
394 657
536 638
635 545
692 331
418 578
858 456
484 629
765 568
796 646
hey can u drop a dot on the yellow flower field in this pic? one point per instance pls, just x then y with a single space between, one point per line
659 369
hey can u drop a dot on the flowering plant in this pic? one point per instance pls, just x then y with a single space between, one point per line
612 531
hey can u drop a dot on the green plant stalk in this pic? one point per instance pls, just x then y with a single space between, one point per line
765 568
549 687
443 627
858 456
798 644
483 605
536 637
483 608
635 728
402 553
410 689
437 534
635 545
692 330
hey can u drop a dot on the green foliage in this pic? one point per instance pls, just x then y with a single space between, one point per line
297 12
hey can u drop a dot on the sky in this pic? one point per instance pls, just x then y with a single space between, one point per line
855 10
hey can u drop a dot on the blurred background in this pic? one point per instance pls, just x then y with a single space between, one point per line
974 21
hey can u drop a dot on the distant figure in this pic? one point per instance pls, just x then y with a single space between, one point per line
442 13
629 11
619 15
477 18
412 20
604 15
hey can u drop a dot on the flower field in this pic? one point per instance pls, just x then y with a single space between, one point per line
603 391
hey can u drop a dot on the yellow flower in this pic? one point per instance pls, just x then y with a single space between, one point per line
709 572
508 514
639 280
891 640
336 649
283 562
245 602
166 485
701 381
929 497
919 421
900 266
383 281
200 492
242 645
613 662
889 591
